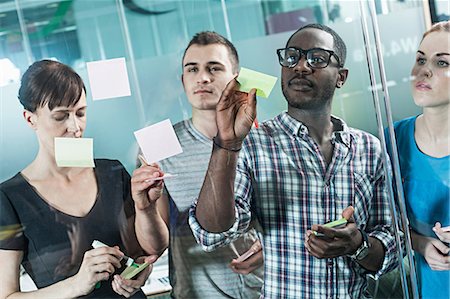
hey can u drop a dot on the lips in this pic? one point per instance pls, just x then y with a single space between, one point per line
301 84
202 91
423 86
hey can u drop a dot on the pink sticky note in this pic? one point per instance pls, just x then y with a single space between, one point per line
158 141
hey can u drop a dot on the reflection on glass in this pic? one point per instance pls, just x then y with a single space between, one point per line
75 32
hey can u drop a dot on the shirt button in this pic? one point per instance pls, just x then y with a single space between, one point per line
330 263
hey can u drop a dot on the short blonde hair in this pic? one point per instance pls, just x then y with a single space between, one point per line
440 26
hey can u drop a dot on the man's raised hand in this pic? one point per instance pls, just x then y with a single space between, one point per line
236 112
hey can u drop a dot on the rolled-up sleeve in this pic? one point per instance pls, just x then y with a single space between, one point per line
380 224
243 194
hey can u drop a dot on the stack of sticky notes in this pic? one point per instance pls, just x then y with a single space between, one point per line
133 270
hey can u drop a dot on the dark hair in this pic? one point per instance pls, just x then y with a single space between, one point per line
339 46
50 82
206 38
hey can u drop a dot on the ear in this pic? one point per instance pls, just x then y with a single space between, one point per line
182 79
342 77
235 76
30 118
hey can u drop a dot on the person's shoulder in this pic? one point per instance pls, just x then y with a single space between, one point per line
358 133
404 124
266 128
12 183
108 164
266 134
364 139
181 127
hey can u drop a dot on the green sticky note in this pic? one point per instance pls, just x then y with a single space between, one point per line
333 224
336 223
133 270
74 152
263 83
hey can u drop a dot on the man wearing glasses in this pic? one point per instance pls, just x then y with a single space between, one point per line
299 170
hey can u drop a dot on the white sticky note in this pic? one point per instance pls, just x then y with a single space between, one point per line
164 177
158 141
74 152
108 78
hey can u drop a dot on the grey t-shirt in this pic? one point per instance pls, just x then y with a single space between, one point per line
193 272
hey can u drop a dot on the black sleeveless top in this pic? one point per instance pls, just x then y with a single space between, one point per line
54 242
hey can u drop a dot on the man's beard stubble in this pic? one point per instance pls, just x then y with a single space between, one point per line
320 100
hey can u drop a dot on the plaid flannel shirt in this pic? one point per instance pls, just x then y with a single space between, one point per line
283 180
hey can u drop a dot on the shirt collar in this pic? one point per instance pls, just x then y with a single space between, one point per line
290 125
343 134
294 127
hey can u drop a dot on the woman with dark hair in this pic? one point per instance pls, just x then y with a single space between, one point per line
53 214
424 152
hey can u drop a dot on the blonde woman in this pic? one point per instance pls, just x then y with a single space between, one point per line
423 143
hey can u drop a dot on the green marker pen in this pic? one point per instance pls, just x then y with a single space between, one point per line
128 260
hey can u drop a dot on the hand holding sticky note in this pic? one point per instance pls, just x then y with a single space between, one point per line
263 83
165 176
340 223
132 268
74 152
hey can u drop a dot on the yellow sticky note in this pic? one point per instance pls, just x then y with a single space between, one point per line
263 83
74 152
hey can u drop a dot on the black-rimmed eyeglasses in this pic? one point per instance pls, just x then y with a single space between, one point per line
316 58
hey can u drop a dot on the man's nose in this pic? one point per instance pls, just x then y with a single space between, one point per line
302 65
203 77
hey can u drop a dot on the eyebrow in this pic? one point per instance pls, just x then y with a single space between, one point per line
438 54
67 110
208 63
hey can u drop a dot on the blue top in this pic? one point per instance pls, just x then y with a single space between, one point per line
426 184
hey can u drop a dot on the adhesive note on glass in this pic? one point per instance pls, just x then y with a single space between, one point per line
108 78
263 83
74 152
158 141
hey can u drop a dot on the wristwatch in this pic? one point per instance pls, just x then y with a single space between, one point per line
363 250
